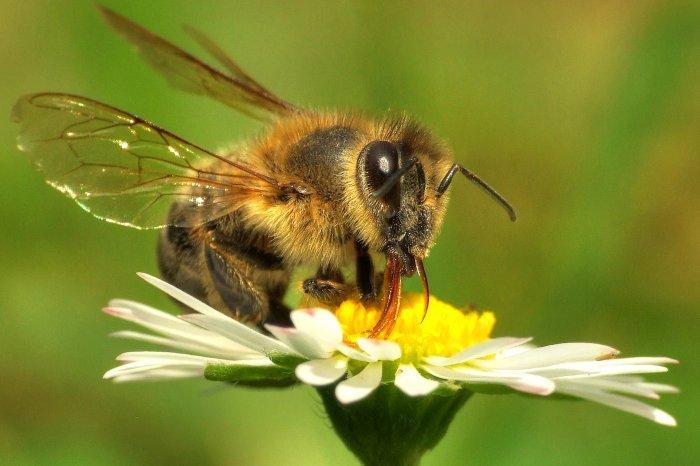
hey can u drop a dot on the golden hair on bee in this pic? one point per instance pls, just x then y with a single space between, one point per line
326 189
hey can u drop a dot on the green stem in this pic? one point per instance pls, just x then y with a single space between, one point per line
391 428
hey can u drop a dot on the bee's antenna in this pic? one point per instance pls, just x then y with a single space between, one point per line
394 178
447 180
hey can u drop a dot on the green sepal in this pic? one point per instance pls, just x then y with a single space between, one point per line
447 389
391 428
355 367
389 369
285 360
252 376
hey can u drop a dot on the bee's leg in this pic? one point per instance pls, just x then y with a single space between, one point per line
279 314
328 287
368 283
278 311
247 285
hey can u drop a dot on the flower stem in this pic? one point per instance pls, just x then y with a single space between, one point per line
391 428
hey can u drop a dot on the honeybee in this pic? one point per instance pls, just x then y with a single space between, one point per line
320 189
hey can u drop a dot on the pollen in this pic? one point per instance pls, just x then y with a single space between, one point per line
444 331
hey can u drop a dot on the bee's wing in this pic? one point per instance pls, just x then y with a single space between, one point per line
186 72
223 58
125 170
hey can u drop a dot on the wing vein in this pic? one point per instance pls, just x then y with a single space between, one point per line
126 170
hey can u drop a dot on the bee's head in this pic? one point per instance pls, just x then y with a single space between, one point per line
400 200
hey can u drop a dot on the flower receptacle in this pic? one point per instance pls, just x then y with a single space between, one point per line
390 427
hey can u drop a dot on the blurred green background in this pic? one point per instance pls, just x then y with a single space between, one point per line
586 115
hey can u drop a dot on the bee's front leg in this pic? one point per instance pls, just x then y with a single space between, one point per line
369 282
327 287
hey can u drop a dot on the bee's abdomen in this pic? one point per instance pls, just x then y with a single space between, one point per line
179 250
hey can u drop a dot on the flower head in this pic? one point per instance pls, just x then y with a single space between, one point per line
443 331
448 351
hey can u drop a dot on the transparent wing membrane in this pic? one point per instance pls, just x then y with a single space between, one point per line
125 170
188 73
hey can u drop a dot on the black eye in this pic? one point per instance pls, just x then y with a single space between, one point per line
381 160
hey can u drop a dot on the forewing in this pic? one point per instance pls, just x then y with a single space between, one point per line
188 73
125 170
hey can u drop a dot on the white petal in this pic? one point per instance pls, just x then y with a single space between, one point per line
164 356
161 374
137 366
147 312
660 387
380 350
159 362
170 326
533 384
512 351
184 345
603 383
301 342
638 361
150 365
321 371
353 353
562 370
627 378
359 386
548 355
181 296
520 381
479 350
238 332
158 340
412 383
319 323
623 403
245 362
224 324
182 358
580 370
594 370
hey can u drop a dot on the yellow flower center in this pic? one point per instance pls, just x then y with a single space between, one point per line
445 331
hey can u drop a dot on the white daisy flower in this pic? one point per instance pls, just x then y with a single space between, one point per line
448 350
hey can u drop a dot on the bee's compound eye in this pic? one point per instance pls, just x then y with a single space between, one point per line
381 160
